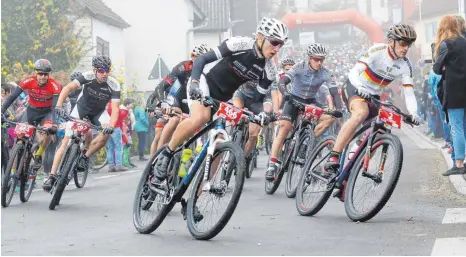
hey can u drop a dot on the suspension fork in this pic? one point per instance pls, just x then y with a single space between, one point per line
217 136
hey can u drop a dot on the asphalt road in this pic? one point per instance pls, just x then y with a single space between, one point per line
97 220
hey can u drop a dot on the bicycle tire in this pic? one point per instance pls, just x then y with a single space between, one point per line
96 168
65 169
8 192
240 170
351 211
272 186
25 193
290 190
268 140
164 210
80 184
310 211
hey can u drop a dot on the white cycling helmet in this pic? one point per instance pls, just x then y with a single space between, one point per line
271 27
316 50
201 49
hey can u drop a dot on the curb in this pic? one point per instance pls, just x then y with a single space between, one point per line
458 181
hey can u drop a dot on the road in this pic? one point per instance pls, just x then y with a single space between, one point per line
424 216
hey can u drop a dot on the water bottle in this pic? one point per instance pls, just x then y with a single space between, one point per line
185 162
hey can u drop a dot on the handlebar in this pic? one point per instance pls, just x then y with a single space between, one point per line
41 129
69 118
406 117
301 106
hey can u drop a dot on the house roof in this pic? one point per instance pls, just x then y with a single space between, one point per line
100 11
217 12
432 8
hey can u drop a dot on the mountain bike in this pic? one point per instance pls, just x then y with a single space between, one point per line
377 138
19 163
296 147
207 184
67 170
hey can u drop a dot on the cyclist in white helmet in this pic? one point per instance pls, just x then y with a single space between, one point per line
172 89
220 72
307 77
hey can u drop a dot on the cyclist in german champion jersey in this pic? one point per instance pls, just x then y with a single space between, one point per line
220 72
248 96
175 85
98 88
43 94
376 69
307 77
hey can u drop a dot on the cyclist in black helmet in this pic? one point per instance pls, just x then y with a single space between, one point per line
98 88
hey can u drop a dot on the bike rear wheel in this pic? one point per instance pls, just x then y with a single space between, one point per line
309 185
234 157
98 161
268 140
303 148
10 180
145 198
68 165
375 179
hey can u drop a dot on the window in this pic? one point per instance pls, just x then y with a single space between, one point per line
102 47
430 31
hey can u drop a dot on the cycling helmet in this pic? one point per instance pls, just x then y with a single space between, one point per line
288 61
201 49
271 27
74 75
403 32
43 65
316 50
101 61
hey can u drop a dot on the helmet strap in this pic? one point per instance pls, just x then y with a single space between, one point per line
393 49
260 48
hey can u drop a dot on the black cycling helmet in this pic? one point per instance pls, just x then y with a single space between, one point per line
101 61
74 75
402 32
43 65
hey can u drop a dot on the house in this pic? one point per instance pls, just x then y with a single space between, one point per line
426 25
169 29
103 29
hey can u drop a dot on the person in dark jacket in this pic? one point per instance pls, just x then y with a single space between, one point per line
450 62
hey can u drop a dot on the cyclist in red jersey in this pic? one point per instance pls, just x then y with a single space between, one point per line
43 94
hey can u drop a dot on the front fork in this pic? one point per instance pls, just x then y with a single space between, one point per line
217 136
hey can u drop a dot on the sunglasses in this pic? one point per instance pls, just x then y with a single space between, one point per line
404 43
42 74
317 59
275 42
103 70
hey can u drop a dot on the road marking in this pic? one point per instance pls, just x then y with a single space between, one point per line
132 171
108 176
449 247
454 215
417 139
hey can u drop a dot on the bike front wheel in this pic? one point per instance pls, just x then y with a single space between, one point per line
27 179
68 165
386 149
204 222
9 179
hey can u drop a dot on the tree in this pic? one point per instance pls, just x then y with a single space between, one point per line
34 29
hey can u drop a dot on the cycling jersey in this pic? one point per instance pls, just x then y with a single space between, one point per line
230 65
181 72
40 97
95 96
380 68
377 68
306 81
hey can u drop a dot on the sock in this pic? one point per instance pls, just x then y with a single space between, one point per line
335 154
39 151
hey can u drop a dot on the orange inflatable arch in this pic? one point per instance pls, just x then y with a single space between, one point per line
365 23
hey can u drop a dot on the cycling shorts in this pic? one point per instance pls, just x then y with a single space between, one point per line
38 116
350 95
255 104
290 111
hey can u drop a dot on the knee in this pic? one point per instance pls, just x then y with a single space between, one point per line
359 116
200 119
285 127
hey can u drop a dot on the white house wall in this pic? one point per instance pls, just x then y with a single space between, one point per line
86 25
114 36
154 30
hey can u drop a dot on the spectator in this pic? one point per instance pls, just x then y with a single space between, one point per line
450 62
127 131
115 142
141 127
